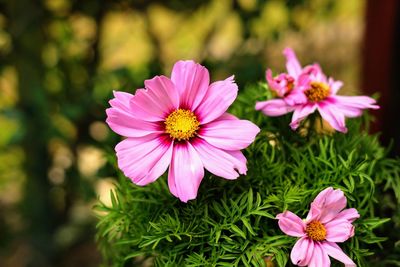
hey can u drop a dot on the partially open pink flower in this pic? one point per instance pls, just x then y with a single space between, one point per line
285 86
180 123
282 84
305 90
326 224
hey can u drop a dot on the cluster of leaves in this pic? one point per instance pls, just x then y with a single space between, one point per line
232 223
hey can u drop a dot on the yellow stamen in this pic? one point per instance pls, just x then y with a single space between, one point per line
316 231
317 92
181 124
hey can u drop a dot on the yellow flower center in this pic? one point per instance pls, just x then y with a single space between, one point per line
181 124
317 92
316 231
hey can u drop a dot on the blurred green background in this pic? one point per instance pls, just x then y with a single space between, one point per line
60 60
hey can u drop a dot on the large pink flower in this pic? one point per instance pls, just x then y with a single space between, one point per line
311 90
326 224
180 123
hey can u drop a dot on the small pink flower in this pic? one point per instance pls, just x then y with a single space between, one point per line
180 123
320 93
287 83
326 224
285 86
311 90
282 84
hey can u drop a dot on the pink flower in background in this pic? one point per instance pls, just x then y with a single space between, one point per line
305 90
326 224
321 95
180 123
285 86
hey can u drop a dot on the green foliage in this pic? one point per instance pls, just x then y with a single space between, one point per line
232 223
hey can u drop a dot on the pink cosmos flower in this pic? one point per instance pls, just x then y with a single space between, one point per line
180 123
285 86
312 91
326 224
320 92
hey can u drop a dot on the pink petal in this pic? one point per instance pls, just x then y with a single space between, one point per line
304 80
359 102
350 112
300 113
302 252
128 126
279 84
339 230
144 159
271 81
313 70
156 101
317 74
296 97
348 214
292 63
291 224
192 81
332 115
242 169
330 202
336 252
220 162
314 214
121 120
121 101
274 107
334 85
320 257
159 168
186 172
328 195
229 134
352 106
227 116
220 95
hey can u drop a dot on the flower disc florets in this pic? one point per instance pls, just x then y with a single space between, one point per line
316 231
181 124
317 92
